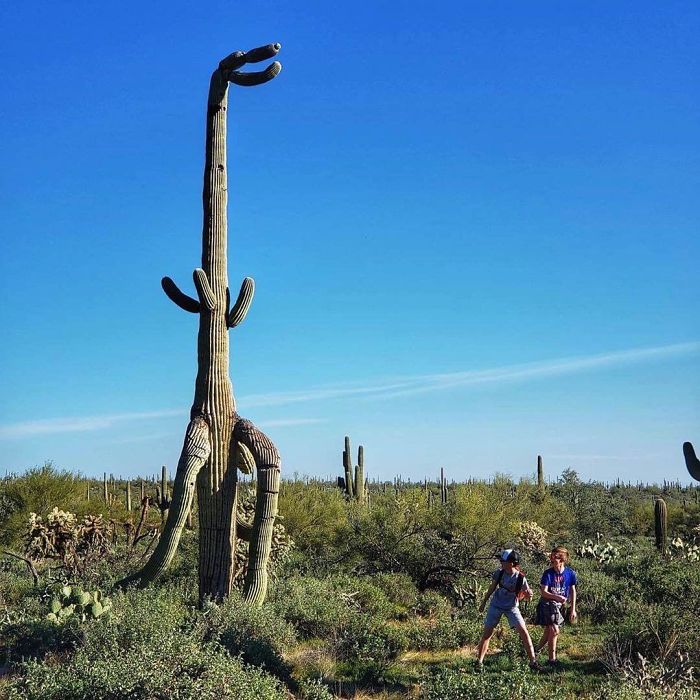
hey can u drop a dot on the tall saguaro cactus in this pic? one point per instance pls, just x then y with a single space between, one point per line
540 473
660 524
217 440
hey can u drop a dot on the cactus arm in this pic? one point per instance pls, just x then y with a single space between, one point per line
267 463
245 461
691 461
180 298
195 452
240 308
204 290
255 78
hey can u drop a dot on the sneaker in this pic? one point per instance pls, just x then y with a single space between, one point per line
554 663
535 666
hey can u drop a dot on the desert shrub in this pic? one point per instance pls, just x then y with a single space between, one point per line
153 646
519 683
310 604
363 638
599 597
444 633
361 593
31 638
431 604
38 490
399 588
257 634
314 689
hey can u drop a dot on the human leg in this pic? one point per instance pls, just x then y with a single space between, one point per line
484 642
552 641
543 642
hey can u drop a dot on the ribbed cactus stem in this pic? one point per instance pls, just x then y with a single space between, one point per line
660 523
105 492
540 472
128 496
143 490
164 482
691 460
347 467
87 491
360 475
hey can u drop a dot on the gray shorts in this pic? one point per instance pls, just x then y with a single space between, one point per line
493 615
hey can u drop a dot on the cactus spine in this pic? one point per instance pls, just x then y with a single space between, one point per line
660 523
691 460
218 440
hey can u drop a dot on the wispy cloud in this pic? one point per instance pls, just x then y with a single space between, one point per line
80 424
387 388
418 384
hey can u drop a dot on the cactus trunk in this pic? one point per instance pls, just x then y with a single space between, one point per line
660 523
218 440
540 473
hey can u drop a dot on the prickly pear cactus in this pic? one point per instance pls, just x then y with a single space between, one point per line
73 602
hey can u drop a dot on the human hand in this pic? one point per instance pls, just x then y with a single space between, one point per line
573 616
561 599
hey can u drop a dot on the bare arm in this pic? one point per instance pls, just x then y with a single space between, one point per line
487 595
544 590
572 599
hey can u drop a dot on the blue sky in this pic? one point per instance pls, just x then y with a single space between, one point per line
473 229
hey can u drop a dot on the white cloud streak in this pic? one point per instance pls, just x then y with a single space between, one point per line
380 389
405 386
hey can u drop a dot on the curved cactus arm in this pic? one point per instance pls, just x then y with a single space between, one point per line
267 463
195 452
691 461
180 298
240 308
204 290
245 461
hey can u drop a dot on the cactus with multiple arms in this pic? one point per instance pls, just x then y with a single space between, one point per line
218 440
353 482
691 460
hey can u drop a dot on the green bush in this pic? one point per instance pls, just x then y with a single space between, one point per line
258 635
152 646
311 605
519 683
363 638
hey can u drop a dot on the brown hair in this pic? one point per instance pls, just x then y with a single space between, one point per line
564 553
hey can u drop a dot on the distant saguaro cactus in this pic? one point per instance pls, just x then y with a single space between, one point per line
691 460
660 524
218 441
354 482
540 473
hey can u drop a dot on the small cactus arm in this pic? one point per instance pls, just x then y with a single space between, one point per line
691 460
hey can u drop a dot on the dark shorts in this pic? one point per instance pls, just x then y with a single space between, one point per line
549 612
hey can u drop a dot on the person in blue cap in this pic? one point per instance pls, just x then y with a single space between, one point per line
508 587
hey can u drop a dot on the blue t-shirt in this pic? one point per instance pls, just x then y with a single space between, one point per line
560 584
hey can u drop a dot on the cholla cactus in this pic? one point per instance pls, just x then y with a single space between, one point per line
531 537
68 602
62 537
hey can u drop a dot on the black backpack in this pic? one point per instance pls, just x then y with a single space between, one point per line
518 583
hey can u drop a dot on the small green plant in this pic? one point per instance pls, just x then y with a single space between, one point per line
70 601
